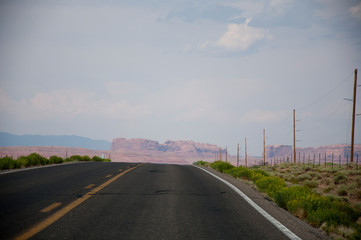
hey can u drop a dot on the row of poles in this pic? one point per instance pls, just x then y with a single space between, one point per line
293 156
352 129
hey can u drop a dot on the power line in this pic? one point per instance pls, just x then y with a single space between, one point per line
326 94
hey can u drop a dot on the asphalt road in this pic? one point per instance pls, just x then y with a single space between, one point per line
151 201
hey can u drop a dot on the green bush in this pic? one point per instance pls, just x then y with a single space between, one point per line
97 159
304 177
201 163
339 178
342 192
310 183
9 163
221 166
270 184
75 158
330 216
284 195
85 158
240 172
35 159
56 159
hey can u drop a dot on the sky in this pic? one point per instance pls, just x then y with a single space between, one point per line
208 71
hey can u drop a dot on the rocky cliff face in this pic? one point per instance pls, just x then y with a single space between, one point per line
135 144
274 151
139 144
144 150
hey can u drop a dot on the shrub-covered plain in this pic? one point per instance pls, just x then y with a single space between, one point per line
36 159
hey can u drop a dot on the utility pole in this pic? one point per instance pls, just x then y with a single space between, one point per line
237 154
264 147
294 135
220 154
353 114
226 154
245 152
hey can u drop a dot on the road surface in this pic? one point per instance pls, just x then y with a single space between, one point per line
98 200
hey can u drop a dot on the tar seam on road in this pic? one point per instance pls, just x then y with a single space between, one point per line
56 216
272 220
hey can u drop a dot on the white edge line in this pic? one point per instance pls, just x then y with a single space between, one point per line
272 220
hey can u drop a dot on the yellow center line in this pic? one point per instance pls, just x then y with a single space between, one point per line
89 186
51 207
59 214
108 176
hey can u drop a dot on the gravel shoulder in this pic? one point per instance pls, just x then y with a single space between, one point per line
296 225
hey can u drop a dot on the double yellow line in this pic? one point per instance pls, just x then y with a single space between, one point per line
59 214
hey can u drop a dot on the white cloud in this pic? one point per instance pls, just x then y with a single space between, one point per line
356 11
258 116
67 104
278 7
241 36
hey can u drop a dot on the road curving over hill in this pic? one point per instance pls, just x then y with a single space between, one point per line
133 201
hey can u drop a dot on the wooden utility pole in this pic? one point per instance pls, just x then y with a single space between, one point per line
353 114
237 154
226 154
245 152
264 146
294 135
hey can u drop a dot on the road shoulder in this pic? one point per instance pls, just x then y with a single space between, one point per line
297 226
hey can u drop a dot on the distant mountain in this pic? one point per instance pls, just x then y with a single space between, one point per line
7 139
338 150
145 150
139 144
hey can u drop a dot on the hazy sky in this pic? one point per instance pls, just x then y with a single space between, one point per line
208 71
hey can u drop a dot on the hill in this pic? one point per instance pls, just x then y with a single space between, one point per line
7 140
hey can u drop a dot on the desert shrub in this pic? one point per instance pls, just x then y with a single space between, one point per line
75 158
221 166
270 184
240 172
304 177
36 159
283 195
201 163
9 163
328 189
295 206
339 178
56 159
316 175
97 159
310 183
330 216
358 195
264 173
306 168
293 180
86 158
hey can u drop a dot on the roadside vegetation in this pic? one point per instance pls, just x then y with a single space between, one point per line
325 196
35 159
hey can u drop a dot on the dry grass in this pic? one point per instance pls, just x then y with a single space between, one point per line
326 180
